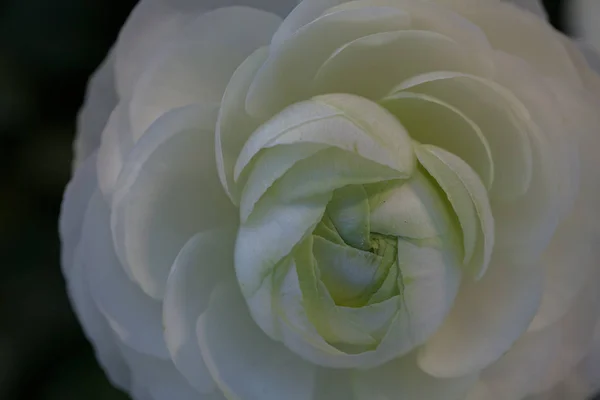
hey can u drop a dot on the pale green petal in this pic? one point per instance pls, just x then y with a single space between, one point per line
268 167
469 200
344 121
349 213
488 316
250 366
429 280
183 74
151 25
234 125
270 235
204 262
364 66
168 190
403 379
415 209
286 76
329 170
502 118
320 308
348 273
432 121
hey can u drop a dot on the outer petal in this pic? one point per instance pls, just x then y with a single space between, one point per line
115 146
197 65
487 318
205 260
160 380
133 316
100 99
168 190
152 24
403 379
254 367
75 202
95 325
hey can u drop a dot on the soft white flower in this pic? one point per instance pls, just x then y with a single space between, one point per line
372 199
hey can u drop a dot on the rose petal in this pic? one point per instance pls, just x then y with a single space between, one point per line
183 74
77 195
468 198
488 317
204 261
134 317
432 121
503 120
255 367
117 142
286 75
234 125
100 100
152 24
418 51
160 380
402 379
168 190
95 325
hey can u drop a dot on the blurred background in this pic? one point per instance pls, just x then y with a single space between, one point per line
48 49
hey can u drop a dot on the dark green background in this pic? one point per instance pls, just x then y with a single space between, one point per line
48 48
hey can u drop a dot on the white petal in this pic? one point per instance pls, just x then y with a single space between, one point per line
568 260
487 318
204 261
183 72
511 30
430 279
503 120
268 168
168 190
77 195
100 100
403 379
116 144
345 121
364 66
234 125
135 317
412 209
332 384
305 12
525 226
159 378
270 235
151 25
95 325
245 363
468 198
279 7
286 75
543 358
432 121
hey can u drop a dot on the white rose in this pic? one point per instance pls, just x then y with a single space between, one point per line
374 199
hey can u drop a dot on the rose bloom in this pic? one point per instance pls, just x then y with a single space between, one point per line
354 200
